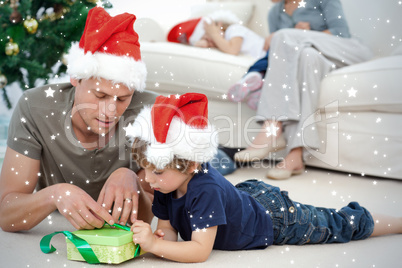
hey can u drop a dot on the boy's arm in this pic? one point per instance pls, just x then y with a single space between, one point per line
196 250
232 46
169 233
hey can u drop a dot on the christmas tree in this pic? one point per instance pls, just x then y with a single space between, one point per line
35 35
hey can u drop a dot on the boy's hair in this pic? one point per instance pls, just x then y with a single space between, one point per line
224 25
138 149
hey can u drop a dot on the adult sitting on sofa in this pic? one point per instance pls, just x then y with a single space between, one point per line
298 60
359 106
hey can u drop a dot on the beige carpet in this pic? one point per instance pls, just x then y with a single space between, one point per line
316 187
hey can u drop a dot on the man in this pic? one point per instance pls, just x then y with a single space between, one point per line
68 140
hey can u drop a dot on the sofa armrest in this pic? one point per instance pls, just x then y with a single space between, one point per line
149 30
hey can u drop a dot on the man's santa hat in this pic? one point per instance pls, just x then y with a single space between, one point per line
108 49
192 30
176 126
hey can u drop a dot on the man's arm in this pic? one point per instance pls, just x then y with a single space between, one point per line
22 209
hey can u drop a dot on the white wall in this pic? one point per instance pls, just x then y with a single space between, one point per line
167 13
378 24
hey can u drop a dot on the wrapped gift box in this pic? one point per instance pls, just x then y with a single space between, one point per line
109 245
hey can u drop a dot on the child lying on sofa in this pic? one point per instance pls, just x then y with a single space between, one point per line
173 143
222 30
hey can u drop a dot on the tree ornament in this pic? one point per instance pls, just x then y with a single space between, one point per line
50 15
15 17
31 25
64 59
12 48
26 60
60 10
3 80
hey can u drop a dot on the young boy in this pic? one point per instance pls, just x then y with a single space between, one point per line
173 141
221 29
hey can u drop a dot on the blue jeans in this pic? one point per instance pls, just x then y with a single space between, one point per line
297 224
260 65
223 163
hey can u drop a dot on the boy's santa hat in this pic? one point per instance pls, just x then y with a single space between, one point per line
108 49
176 126
181 32
192 30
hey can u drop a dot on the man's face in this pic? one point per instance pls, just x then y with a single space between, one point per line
99 104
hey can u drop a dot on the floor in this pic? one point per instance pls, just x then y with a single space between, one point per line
316 186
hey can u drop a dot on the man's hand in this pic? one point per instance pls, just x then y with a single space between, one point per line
22 209
142 235
121 192
79 208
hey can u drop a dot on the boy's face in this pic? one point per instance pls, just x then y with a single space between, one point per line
100 103
208 41
167 180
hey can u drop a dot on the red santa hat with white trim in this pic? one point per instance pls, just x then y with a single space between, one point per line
176 126
192 30
109 49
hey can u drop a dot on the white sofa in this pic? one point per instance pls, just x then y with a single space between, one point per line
360 108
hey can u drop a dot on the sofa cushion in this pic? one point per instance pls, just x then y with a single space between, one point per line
361 142
181 68
370 86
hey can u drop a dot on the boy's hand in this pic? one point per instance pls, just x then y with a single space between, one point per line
212 29
159 234
201 43
143 235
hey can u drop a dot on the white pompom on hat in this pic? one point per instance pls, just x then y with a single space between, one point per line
109 49
176 126
225 16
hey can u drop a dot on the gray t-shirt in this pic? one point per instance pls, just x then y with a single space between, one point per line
40 128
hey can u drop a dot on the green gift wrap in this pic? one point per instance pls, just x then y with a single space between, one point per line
109 245
106 245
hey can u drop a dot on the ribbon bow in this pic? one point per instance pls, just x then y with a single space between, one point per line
83 247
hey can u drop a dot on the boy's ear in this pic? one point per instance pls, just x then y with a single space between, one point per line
73 81
194 166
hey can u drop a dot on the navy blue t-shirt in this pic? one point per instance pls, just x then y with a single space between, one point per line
211 200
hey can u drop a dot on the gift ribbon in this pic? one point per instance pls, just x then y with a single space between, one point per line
83 247
138 249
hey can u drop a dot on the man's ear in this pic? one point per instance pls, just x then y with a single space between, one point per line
73 81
